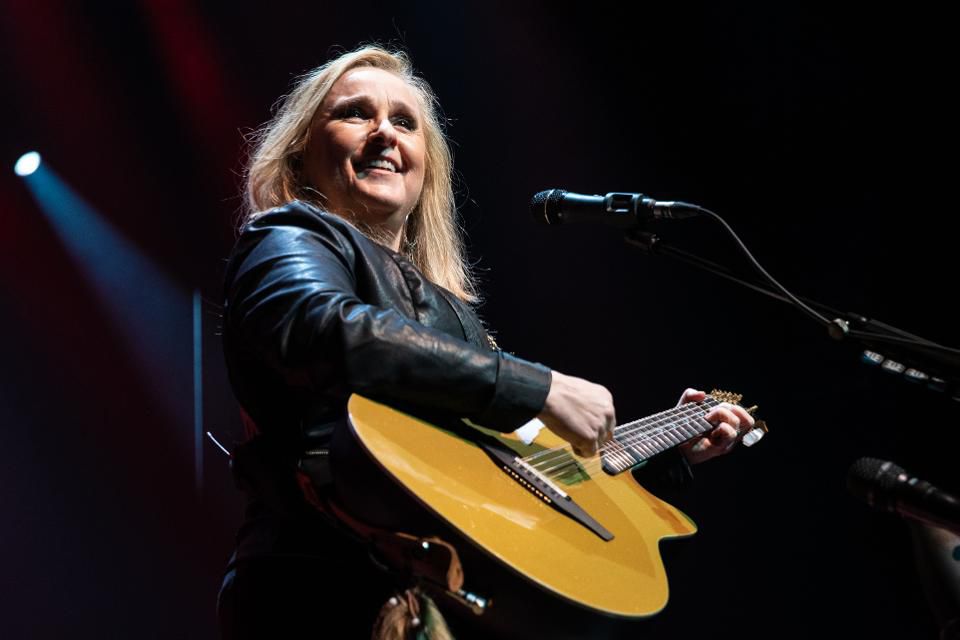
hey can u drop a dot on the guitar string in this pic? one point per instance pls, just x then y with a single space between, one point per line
618 454
637 435
569 464
645 433
682 426
677 422
639 440
614 448
643 425
595 464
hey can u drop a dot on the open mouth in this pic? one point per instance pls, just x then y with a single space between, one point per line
376 164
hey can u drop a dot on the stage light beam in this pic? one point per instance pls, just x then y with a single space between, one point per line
149 311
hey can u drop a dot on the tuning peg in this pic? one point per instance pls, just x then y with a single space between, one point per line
755 434
727 396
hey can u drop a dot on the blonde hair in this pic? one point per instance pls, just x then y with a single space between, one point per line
432 237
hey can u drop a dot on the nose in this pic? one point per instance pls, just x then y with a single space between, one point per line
385 133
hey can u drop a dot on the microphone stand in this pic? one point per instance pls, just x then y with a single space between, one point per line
936 550
895 350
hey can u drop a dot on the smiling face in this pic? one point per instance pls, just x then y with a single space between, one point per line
366 152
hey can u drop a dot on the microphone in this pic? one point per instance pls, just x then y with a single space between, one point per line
886 487
622 210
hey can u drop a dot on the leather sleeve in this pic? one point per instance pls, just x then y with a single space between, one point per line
292 286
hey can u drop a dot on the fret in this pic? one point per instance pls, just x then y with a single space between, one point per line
651 447
657 445
627 457
645 448
686 430
704 425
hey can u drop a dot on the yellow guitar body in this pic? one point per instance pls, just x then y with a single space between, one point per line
457 481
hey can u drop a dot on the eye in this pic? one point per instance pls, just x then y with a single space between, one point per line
352 111
405 122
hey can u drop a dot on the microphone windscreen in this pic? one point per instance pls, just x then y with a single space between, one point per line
545 205
873 481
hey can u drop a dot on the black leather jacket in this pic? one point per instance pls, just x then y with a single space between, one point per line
316 311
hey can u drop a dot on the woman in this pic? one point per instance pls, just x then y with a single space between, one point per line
349 277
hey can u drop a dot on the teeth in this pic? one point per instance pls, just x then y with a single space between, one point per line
379 164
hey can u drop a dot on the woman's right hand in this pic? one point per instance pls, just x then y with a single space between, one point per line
580 412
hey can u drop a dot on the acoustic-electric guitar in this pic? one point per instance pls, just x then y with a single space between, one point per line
581 528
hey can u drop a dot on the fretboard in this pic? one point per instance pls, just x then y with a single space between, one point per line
642 439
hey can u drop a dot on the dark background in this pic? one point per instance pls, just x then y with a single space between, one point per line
825 137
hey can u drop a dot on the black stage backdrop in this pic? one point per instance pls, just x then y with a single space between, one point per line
824 136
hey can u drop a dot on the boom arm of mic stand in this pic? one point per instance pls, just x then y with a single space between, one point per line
868 332
651 244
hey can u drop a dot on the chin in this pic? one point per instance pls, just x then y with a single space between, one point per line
382 207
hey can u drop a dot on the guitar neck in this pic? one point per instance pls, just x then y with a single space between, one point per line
640 440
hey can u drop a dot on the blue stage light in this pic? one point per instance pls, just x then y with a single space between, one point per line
27 164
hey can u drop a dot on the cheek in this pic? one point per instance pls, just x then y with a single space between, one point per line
335 172
419 175
415 182
334 151
339 155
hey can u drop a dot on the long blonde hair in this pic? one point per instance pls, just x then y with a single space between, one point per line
432 237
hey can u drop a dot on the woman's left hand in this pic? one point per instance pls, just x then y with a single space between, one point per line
729 420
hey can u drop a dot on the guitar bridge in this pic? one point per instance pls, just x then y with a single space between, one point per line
541 487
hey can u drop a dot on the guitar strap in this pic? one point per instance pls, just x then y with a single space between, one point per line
421 560
431 559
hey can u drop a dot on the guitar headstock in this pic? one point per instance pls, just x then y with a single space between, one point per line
759 429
